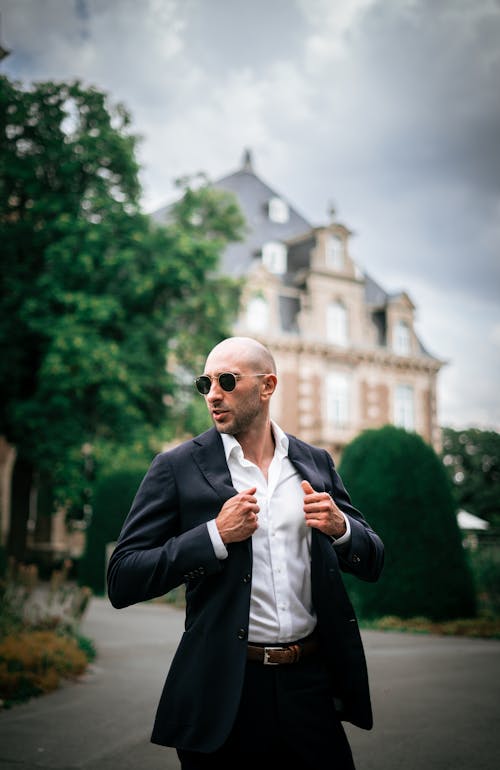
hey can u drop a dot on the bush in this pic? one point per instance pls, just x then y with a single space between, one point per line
27 604
485 566
112 499
400 485
34 662
39 638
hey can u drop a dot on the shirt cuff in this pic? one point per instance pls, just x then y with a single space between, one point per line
343 538
217 542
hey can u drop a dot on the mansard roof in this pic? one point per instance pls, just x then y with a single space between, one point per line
253 196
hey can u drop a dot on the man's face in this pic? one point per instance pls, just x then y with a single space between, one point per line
234 411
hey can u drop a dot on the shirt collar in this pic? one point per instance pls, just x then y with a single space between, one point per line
233 447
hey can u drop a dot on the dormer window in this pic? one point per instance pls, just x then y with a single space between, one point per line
278 211
334 253
337 324
401 342
274 257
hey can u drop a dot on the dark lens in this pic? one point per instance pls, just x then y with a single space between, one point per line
227 381
203 384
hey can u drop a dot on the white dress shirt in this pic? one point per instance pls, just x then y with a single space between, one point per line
280 600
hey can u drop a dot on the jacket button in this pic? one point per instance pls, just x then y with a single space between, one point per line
247 578
242 633
355 558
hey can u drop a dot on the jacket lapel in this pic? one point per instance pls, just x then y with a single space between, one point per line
301 457
210 458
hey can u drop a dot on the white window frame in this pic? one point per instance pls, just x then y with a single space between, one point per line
401 342
404 407
337 323
334 255
274 257
338 399
257 314
278 211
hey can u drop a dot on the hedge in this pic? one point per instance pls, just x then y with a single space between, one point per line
401 486
112 500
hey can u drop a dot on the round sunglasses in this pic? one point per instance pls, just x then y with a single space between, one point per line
227 381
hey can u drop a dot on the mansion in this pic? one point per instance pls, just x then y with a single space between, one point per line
347 352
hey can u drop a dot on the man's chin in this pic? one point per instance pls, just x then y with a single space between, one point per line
227 431
224 428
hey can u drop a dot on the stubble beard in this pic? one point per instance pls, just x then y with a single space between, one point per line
247 414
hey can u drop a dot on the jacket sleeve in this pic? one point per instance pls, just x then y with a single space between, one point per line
153 554
363 554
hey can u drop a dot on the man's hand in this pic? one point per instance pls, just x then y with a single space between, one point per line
237 518
322 513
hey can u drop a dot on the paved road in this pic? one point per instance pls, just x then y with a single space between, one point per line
436 702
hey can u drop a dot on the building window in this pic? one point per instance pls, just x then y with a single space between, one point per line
278 211
337 399
337 323
274 257
334 253
257 314
401 340
404 407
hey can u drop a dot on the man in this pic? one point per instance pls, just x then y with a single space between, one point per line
258 526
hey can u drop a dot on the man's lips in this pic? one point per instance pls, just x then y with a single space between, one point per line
219 414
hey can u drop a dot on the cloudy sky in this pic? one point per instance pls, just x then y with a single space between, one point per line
387 109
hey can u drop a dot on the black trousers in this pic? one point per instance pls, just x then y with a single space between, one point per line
286 717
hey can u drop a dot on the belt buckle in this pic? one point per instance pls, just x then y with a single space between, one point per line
267 651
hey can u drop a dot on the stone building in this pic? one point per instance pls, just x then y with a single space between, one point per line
347 352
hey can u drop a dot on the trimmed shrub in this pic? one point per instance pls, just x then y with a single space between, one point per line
112 500
401 486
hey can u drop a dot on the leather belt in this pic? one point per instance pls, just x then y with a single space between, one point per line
282 654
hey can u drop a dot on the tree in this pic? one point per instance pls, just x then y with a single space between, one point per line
399 483
472 459
93 294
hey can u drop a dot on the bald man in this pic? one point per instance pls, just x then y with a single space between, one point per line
258 526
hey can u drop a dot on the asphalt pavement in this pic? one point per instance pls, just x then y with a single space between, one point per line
436 702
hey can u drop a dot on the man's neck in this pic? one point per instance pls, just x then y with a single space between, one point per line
258 445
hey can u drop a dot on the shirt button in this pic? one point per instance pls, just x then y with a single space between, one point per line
242 633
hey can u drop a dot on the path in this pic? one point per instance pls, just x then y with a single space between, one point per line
436 702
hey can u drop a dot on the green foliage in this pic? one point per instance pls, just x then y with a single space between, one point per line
485 566
472 459
400 485
93 294
113 496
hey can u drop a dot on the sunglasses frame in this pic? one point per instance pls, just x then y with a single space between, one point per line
204 377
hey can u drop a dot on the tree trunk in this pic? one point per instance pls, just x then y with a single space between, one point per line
22 480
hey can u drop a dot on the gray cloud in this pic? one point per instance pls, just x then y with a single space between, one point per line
388 108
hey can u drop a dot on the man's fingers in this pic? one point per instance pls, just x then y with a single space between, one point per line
308 490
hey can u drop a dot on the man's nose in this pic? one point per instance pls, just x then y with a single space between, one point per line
215 392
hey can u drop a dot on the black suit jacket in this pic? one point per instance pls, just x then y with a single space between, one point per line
164 543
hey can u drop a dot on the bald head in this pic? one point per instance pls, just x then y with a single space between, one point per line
244 351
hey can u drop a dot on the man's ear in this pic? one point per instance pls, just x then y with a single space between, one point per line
269 383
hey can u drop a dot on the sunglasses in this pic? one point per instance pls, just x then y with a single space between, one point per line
227 381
